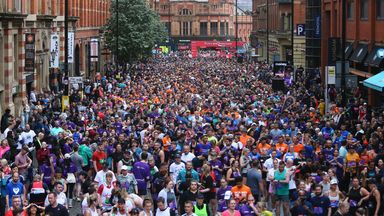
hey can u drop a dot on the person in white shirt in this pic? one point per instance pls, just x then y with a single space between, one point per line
61 197
268 164
188 208
175 167
27 135
187 156
101 176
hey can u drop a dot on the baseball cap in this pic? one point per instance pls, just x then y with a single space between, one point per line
67 156
124 167
227 195
200 196
177 156
334 181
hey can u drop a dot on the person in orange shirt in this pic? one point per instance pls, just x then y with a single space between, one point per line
263 147
240 192
244 137
281 146
297 146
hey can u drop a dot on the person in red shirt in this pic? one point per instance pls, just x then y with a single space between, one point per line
98 157
16 207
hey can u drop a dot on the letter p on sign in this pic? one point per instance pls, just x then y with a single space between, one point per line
300 29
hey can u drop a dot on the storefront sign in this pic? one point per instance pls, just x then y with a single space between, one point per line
71 42
29 52
55 51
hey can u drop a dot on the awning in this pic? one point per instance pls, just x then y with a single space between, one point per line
348 49
360 53
374 59
375 82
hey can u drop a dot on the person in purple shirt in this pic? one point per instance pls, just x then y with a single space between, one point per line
141 171
217 166
203 147
46 169
248 209
223 195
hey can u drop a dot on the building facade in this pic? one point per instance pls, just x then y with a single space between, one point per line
28 29
272 24
196 19
364 35
244 27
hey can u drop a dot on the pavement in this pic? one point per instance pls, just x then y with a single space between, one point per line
76 209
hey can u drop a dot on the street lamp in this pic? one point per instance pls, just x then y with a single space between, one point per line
343 40
66 48
117 32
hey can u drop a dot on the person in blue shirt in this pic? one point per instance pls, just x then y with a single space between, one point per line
14 188
301 205
327 131
320 203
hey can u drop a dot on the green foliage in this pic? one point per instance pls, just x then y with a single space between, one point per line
139 29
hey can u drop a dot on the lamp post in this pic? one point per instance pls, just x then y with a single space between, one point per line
267 31
66 47
292 29
343 40
117 33
236 27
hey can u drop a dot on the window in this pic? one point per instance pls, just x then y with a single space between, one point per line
350 9
185 28
214 7
203 28
364 9
15 57
214 28
380 9
168 27
185 12
17 6
222 28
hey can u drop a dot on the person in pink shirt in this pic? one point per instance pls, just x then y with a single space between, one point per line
231 211
4 147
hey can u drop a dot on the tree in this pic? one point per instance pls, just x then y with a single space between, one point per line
139 29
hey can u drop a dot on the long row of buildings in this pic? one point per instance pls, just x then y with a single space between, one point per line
32 44
317 31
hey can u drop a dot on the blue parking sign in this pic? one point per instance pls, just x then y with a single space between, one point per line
300 29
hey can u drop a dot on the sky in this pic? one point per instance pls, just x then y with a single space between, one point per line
245 4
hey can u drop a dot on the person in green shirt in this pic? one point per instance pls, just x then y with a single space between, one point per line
86 153
281 180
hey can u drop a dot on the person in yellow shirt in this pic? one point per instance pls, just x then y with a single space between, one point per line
351 161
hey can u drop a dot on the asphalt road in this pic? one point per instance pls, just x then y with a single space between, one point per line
76 209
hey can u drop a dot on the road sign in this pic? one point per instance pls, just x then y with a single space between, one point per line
75 80
300 29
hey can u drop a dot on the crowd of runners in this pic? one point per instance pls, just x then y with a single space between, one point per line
194 137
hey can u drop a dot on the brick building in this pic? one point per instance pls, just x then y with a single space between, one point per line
279 16
43 20
197 19
244 27
364 34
